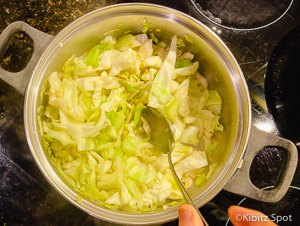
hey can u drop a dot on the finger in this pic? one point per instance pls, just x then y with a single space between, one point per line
188 216
240 216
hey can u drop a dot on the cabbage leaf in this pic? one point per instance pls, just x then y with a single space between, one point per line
93 129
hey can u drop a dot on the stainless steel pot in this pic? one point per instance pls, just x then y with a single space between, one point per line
238 144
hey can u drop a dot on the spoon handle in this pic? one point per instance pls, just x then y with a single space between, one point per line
184 192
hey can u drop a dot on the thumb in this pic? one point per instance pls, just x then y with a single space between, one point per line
188 216
240 216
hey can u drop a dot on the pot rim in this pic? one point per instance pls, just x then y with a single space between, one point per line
118 216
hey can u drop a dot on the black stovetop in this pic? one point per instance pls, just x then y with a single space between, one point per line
27 198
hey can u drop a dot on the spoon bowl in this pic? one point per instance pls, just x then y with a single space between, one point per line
163 139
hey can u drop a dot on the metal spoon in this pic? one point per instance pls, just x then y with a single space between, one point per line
163 139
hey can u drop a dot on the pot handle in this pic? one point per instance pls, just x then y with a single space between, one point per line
19 80
241 184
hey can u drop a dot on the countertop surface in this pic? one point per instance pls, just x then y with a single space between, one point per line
26 198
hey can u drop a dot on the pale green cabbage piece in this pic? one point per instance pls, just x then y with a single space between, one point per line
94 132
182 98
160 91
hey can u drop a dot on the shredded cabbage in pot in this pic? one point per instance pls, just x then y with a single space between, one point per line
93 131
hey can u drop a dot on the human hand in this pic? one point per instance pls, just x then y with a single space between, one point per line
240 216
188 216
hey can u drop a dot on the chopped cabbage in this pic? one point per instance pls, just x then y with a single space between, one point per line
182 98
200 179
93 56
182 63
160 91
94 132
189 38
146 25
188 70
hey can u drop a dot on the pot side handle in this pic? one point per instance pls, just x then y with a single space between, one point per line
19 80
241 184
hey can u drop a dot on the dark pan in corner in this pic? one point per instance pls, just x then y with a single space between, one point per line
282 86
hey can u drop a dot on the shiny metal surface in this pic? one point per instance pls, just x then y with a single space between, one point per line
216 61
162 137
27 198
